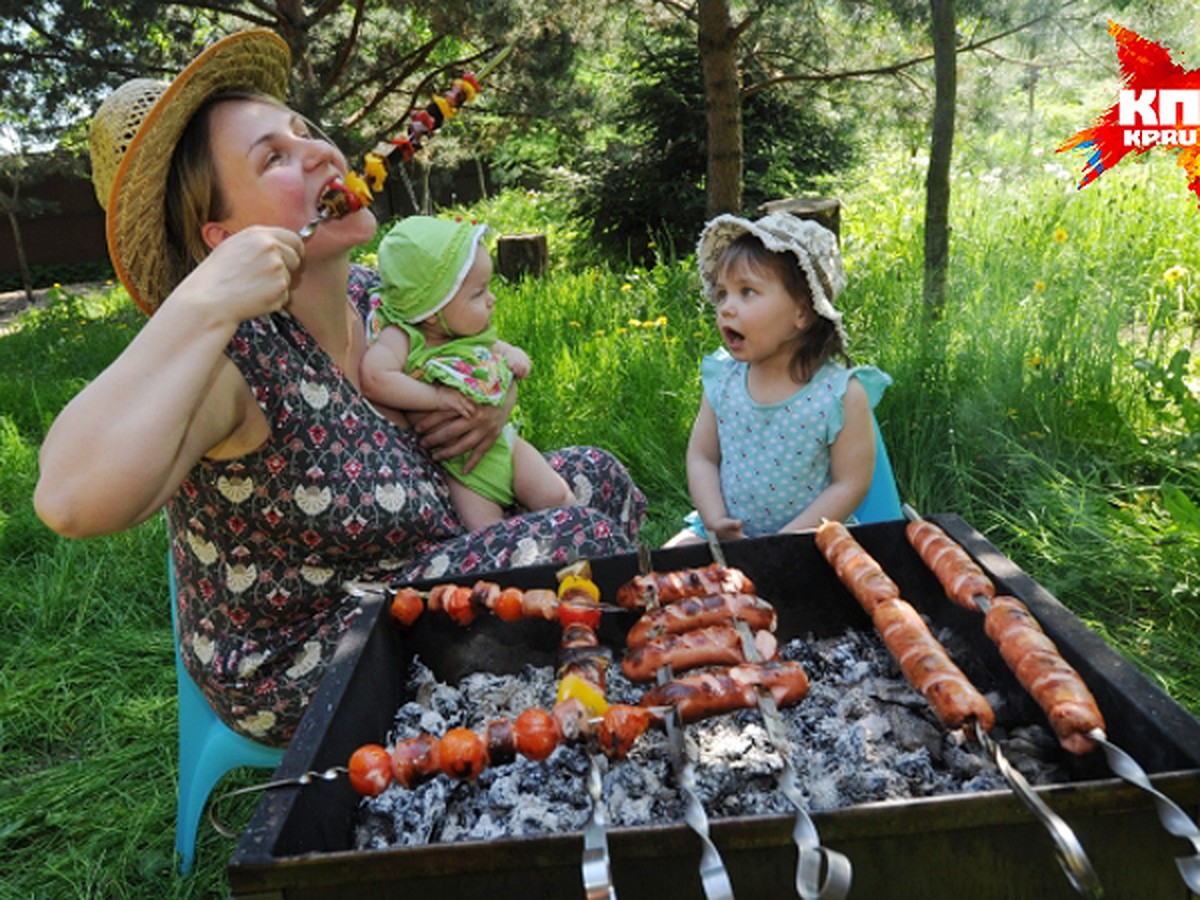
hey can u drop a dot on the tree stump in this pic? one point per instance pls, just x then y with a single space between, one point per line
825 210
522 254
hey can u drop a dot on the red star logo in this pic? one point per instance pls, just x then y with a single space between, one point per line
1147 71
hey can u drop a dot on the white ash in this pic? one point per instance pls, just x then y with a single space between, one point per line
860 735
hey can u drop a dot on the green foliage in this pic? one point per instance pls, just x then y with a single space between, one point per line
61 273
645 186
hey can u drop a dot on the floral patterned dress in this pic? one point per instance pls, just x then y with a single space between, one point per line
261 544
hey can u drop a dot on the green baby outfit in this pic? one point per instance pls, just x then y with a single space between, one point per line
468 364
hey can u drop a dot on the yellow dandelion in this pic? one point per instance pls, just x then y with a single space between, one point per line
1035 360
661 321
1174 273
626 288
634 323
1060 235
1039 286
622 331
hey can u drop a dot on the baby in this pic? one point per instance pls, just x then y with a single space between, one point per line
437 350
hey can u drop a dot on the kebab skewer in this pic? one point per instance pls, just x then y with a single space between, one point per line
1026 649
921 657
812 859
957 703
1041 670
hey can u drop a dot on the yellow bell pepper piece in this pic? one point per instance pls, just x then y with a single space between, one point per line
575 583
578 688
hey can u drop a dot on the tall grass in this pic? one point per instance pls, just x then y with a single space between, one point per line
1040 405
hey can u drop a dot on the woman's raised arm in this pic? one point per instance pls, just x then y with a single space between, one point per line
122 446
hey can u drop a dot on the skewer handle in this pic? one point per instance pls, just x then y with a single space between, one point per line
1173 819
1070 854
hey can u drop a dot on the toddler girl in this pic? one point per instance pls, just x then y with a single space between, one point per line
785 434
436 349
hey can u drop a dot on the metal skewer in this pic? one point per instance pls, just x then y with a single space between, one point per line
1174 819
809 852
597 868
308 230
714 878
1067 850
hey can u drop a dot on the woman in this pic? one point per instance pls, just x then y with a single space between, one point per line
237 406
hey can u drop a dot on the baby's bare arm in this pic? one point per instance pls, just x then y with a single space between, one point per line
518 360
385 382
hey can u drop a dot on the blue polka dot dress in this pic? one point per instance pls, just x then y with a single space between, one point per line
775 457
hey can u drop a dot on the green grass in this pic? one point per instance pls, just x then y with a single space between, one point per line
1053 405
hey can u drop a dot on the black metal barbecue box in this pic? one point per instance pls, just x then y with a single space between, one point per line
300 840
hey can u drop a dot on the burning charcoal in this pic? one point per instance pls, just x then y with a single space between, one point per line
909 733
862 734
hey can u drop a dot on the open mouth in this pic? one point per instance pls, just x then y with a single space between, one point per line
734 340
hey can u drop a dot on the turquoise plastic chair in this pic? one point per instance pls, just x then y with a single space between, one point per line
208 749
882 503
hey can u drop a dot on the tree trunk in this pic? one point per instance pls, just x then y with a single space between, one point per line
22 260
717 40
937 181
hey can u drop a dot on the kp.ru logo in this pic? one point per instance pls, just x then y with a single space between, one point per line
1159 107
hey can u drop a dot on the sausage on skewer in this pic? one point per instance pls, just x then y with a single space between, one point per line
855 568
714 693
668 587
1044 674
960 576
691 613
927 666
712 646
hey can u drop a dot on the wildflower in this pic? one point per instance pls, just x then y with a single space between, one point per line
1039 286
626 288
634 323
622 331
575 324
1174 273
1060 235
661 321
1035 361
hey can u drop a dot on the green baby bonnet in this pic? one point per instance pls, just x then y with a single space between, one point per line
423 261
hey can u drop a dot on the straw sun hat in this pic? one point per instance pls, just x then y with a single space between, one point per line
814 247
133 137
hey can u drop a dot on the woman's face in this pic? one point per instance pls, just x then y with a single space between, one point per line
272 170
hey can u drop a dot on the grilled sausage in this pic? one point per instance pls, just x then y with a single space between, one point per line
1044 674
855 568
714 693
927 666
501 742
713 646
668 587
961 578
416 760
691 613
